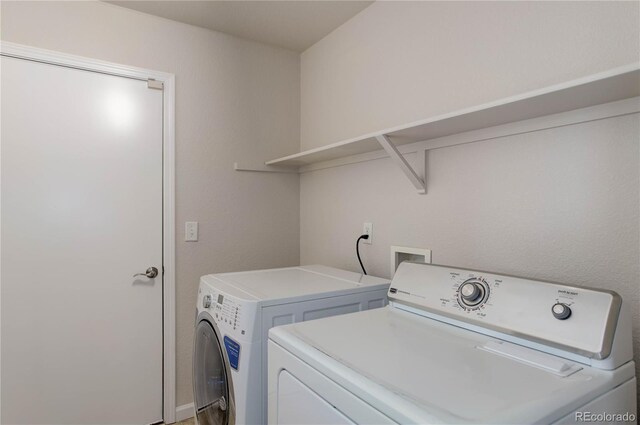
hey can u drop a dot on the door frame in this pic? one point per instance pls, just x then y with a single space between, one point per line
168 190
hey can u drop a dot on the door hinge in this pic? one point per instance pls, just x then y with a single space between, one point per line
154 84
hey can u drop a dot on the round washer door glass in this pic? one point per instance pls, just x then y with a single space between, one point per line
211 389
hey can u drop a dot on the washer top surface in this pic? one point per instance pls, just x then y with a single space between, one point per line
293 282
419 370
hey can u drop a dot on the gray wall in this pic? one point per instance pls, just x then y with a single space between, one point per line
560 204
229 92
397 62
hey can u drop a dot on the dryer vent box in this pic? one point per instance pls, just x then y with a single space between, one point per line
403 253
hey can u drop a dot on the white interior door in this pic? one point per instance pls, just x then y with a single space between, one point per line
81 169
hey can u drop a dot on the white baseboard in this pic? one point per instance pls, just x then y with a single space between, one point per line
184 412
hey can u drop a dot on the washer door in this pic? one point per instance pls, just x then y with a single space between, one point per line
212 391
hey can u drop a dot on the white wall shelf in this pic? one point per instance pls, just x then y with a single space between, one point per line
610 86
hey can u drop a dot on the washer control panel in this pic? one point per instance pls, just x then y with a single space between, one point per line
576 319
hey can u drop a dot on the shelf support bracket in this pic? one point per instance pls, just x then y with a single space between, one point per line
401 162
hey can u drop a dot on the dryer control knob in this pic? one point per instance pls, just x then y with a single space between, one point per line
206 301
561 311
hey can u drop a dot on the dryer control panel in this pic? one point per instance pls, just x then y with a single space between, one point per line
576 319
232 315
224 309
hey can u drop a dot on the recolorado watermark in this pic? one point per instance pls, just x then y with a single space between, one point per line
605 417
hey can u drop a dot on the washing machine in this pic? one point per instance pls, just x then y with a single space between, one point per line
234 314
460 346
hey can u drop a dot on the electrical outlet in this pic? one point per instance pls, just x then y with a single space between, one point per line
191 231
367 229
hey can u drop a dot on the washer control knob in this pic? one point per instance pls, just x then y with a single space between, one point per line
471 293
206 301
561 311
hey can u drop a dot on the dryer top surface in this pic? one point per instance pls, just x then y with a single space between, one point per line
304 282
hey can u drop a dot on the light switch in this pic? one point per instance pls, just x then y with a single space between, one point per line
191 231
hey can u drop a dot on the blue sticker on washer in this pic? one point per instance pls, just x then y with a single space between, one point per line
233 352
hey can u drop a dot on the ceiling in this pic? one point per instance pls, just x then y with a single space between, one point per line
294 25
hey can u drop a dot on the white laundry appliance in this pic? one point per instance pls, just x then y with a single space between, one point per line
459 346
234 314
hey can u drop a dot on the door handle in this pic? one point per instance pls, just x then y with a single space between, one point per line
150 273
